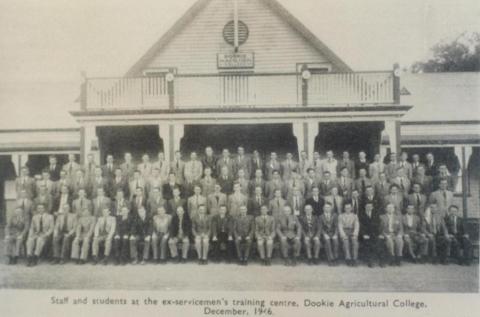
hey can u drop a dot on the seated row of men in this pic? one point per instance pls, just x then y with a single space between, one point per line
133 233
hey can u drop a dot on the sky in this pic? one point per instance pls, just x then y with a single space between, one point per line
46 45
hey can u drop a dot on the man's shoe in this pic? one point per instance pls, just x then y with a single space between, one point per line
95 261
62 262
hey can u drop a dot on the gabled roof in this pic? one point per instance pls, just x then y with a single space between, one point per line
197 7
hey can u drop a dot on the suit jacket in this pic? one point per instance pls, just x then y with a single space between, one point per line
108 171
415 167
359 165
273 185
222 225
153 204
161 225
213 204
145 169
163 167
291 183
271 166
51 187
309 184
435 225
325 188
338 203
438 178
431 169
95 184
54 172
235 202
360 186
208 186
225 184
153 182
288 168
71 168
325 165
276 207
375 169
181 229
329 226
118 205
211 162
346 186
244 226
310 228
455 225
391 170
420 204
381 189
201 226
369 225
426 182
297 207
257 182
46 200
167 190
316 205
228 163
303 166
396 228
139 227
174 204
79 205
442 201
397 201
132 186
80 183
26 183
242 163
349 164
265 227
99 204
254 206
17 224
105 226
288 226
27 205
256 164
193 171
41 225
178 167
127 170
244 185
415 227
402 183
374 200
348 222
193 203
57 201
115 185
407 168
85 227
123 226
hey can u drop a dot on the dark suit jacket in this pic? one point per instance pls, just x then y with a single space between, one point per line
186 226
222 225
141 227
459 229
225 184
167 191
172 205
316 205
369 226
314 230
211 162
254 206
55 173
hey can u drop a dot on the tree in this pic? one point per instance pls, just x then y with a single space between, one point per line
460 55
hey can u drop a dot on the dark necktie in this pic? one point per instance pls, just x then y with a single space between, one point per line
418 200
264 225
41 223
445 198
335 207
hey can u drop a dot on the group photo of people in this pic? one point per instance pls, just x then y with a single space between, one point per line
329 209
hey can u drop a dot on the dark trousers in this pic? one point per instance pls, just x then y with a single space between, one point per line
373 250
223 247
460 248
121 247
243 247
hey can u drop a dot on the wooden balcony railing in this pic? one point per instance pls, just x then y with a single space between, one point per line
240 90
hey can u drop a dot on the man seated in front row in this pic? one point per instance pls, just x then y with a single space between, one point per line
121 240
458 240
265 233
222 234
348 229
201 228
83 236
103 235
391 232
311 234
289 231
63 234
15 234
180 231
41 230
415 239
243 230
160 234
329 229
140 234
436 233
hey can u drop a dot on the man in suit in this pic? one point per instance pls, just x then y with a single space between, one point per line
242 163
257 162
225 180
154 181
348 230
258 181
18 225
201 230
79 182
311 234
348 164
275 183
345 183
100 202
356 202
145 167
25 182
289 232
44 198
40 233
208 182
180 231
296 180
361 163
369 232
457 239
330 164
155 200
160 233
176 201
417 199
296 201
402 181
47 183
372 198
396 198
329 230
265 234
304 164
236 201
442 197
288 167
382 186
436 232
256 201
415 239
120 202
89 166
168 187
316 202
162 166
391 232
121 242
431 166
375 168
272 165
425 181
407 167
177 167
63 181
138 200
317 164
97 181
71 166
128 167
25 203
104 231
243 181
443 174
119 182
192 172
63 234
226 162
81 203
83 236
311 181
54 168
391 167
136 182
416 164
215 200
335 200
362 181
327 183
277 204
108 170
222 235
243 230
209 160
140 234
195 201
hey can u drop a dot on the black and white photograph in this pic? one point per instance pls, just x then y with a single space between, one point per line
277 146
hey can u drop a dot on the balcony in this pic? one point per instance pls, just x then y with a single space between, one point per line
240 91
